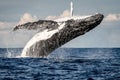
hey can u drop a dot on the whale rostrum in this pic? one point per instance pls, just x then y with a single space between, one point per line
52 34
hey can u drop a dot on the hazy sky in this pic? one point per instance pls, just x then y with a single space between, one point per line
13 12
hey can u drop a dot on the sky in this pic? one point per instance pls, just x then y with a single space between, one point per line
14 12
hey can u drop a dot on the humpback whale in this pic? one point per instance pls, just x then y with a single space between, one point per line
52 34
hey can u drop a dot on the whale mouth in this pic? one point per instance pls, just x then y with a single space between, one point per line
53 34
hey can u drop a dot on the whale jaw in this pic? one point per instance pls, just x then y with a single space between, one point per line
57 34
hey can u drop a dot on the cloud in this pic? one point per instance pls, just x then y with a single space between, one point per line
8 38
27 18
6 25
65 13
3 24
112 17
15 39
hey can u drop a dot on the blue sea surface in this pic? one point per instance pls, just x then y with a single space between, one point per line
62 64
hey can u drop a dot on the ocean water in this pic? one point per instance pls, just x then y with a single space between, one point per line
62 64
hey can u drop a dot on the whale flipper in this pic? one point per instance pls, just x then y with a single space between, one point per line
38 25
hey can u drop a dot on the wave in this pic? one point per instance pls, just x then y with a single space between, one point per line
68 53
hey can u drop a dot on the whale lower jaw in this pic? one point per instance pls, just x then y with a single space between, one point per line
54 34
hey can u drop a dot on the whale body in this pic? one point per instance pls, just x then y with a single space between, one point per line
52 34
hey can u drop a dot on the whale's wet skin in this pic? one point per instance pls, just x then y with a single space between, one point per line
53 34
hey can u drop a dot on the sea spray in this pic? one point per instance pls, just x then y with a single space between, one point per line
16 38
59 54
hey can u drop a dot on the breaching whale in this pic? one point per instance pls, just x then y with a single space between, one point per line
52 34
